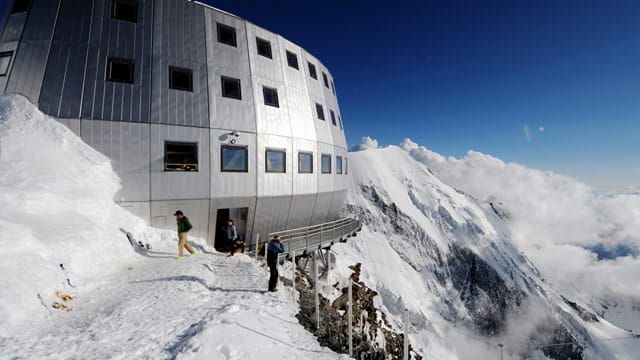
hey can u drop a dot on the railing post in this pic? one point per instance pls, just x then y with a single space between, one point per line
350 317
405 352
329 267
258 245
315 285
500 351
293 275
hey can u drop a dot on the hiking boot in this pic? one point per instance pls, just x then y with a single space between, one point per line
190 255
179 257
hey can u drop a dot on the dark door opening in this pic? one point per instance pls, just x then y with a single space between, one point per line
239 217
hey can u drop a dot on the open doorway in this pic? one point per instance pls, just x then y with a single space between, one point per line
239 217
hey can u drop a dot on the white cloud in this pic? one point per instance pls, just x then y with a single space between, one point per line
554 218
366 143
527 133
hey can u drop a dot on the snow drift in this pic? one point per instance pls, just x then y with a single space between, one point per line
56 207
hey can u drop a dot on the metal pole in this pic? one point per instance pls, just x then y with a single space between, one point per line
405 353
315 285
350 317
329 267
258 245
293 277
500 351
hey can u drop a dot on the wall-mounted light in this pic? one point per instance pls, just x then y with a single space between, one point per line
232 141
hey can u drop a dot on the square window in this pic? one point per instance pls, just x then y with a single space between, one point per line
305 163
275 161
292 60
234 159
180 78
325 79
270 96
312 71
126 10
320 111
231 88
120 70
5 62
338 164
326 164
333 118
180 156
227 35
264 47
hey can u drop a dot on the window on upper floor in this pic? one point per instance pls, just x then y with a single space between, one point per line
180 156
333 87
338 164
333 118
20 6
227 35
5 62
275 161
305 162
126 10
325 164
292 60
231 88
325 79
340 122
312 71
234 158
180 78
346 165
319 111
270 96
120 70
264 47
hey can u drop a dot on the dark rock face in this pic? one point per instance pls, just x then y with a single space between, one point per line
368 322
584 314
483 292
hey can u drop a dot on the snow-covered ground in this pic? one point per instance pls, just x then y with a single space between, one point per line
56 207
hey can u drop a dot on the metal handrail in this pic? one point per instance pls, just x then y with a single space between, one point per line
316 235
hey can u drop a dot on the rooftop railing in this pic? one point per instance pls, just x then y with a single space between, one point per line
315 237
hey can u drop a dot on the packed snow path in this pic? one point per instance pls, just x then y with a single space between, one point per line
207 306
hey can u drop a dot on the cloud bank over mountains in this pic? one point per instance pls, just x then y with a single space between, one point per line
580 240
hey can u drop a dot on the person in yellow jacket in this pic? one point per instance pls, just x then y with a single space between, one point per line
183 228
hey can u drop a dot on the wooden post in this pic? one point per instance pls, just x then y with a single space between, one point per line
350 317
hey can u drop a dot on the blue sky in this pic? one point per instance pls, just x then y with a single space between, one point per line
461 75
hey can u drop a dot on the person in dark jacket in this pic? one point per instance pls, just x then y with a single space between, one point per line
232 236
183 228
274 248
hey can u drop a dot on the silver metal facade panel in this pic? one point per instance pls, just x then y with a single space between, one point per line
226 60
166 185
127 145
301 114
233 203
13 27
271 214
179 40
305 183
337 202
28 72
321 207
106 100
274 184
196 210
339 180
62 84
301 211
233 184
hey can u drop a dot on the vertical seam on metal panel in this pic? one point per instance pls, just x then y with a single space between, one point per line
64 81
86 59
152 30
15 56
46 63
